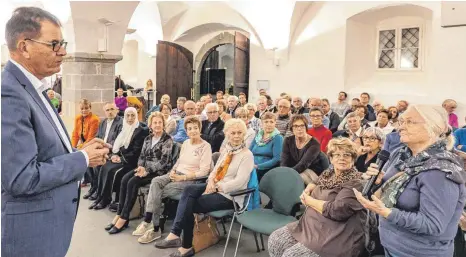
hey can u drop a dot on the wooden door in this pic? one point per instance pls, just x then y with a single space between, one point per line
174 72
241 53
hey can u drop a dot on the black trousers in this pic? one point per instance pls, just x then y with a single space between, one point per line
460 244
193 201
130 185
109 176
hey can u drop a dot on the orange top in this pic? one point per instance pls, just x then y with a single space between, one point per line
91 126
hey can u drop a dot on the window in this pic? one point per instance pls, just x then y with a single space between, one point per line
399 48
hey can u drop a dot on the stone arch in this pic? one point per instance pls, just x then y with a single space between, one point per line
221 39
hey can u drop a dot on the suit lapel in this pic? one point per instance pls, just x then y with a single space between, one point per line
32 91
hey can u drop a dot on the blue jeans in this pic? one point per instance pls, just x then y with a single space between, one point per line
193 201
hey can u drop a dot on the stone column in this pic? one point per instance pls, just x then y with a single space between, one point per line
90 76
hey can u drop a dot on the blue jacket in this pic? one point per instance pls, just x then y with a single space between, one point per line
180 134
392 142
460 136
268 156
255 201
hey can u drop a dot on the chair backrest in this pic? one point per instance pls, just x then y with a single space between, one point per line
175 152
283 186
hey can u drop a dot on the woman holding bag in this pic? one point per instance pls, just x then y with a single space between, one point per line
231 173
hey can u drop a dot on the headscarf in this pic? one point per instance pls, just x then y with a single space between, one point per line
124 138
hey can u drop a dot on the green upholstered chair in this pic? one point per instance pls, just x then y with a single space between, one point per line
283 186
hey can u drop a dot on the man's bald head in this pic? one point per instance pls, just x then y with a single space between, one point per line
189 108
315 102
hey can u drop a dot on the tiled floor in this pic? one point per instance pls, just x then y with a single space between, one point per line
91 240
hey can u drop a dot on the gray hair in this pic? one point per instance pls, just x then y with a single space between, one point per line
378 132
352 115
181 99
235 123
235 97
210 105
26 21
253 106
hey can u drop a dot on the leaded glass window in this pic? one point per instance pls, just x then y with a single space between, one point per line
399 48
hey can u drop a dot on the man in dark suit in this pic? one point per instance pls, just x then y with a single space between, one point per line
40 170
212 128
109 129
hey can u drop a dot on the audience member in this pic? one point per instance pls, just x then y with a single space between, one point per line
267 146
318 131
341 106
271 107
354 103
373 139
126 151
254 122
201 113
361 110
261 106
242 114
333 223
460 142
121 102
317 103
179 113
55 102
86 125
242 99
402 105
370 112
383 122
155 160
194 161
301 151
378 106
231 173
423 193
297 103
450 106
283 118
262 92
354 130
156 108
108 130
170 123
212 128
224 116
208 99
334 118
232 105
394 114
180 134
219 95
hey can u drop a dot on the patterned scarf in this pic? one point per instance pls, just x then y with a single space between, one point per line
328 180
260 141
435 157
230 152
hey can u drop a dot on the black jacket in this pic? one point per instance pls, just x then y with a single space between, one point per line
115 129
213 135
157 159
130 155
334 122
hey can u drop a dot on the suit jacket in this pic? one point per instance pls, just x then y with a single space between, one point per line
130 155
91 126
213 135
115 129
39 176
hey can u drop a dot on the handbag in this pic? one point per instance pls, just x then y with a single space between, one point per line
205 233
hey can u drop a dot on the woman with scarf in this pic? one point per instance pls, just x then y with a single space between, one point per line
333 223
155 160
422 192
126 151
231 173
267 146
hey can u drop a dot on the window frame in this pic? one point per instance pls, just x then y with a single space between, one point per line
398 37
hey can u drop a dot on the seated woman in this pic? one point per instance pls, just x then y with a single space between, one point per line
301 151
242 114
156 108
422 193
254 122
155 160
231 173
373 139
394 120
361 112
267 145
126 151
86 125
222 106
318 130
193 162
333 224
170 123
383 122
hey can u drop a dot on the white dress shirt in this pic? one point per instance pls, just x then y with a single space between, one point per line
107 129
40 86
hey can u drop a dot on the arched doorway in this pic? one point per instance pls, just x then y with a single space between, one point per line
225 50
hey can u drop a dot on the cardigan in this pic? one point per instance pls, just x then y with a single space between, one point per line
291 157
91 126
157 159
268 156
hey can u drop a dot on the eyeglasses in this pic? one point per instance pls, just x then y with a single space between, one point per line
409 123
56 45
370 139
299 126
340 156
315 116
212 112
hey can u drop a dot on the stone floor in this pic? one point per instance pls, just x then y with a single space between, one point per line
91 240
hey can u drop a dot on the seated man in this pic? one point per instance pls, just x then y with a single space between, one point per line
180 132
283 118
212 128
